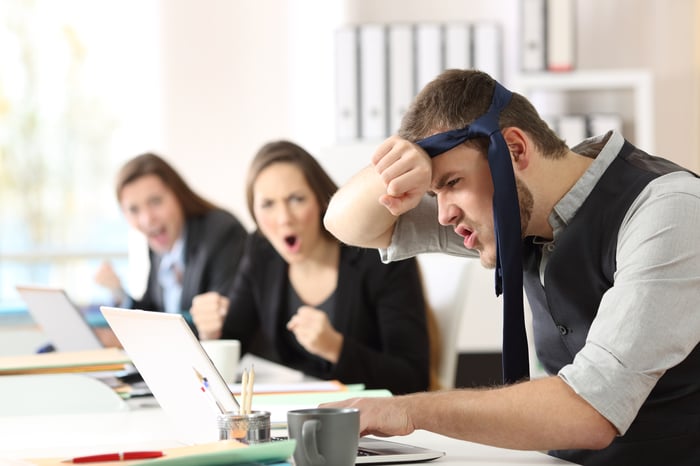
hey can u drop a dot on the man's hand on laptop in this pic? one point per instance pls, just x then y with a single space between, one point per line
208 313
384 417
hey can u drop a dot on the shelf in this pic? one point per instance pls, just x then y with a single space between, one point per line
637 81
586 80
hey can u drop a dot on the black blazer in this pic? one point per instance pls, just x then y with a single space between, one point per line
213 249
379 309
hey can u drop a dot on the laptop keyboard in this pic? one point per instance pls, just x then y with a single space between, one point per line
365 452
360 451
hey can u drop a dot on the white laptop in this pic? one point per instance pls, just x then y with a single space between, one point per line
167 354
61 320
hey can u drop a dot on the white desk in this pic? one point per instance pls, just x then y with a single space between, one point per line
67 435
148 428
144 426
461 453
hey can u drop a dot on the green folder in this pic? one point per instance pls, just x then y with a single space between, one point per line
275 452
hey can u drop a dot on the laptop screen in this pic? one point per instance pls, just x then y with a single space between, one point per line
170 359
61 320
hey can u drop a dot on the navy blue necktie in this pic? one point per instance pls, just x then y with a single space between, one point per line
506 213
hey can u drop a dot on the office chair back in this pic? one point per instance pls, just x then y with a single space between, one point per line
446 281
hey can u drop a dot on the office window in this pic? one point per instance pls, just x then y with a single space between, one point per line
78 96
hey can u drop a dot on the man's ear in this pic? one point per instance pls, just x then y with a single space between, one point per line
519 146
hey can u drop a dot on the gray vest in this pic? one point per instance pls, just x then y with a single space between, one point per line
666 430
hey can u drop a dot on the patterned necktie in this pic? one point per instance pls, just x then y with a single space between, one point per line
506 213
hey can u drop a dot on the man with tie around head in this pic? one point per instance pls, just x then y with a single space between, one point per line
602 236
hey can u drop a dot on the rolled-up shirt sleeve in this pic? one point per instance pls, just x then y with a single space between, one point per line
418 231
648 322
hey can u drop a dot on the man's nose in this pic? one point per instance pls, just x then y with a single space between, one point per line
447 211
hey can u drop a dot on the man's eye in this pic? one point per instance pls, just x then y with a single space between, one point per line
452 183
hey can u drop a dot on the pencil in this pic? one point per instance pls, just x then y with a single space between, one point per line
249 397
244 391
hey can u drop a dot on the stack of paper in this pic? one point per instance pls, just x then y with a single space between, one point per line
298 387
108 359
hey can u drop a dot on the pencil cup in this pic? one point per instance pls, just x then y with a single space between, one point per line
246 428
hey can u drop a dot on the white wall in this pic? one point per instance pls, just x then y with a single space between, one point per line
661 35
237 74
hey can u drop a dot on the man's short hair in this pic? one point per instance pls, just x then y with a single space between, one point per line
458 97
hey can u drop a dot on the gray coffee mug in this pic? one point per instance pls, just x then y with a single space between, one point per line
325 436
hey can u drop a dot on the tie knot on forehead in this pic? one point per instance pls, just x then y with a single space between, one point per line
484 126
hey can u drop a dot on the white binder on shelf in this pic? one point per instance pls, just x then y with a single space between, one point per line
429 62
487 49
347 79
572 129
373 82
561 35
402 88
552 121
532 35
458 46
601 123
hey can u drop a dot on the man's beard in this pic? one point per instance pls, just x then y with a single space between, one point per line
526 202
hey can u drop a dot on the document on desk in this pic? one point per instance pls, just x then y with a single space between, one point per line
296 387
221 453
108 359
225 453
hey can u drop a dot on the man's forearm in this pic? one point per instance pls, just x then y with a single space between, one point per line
355 215
539 415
